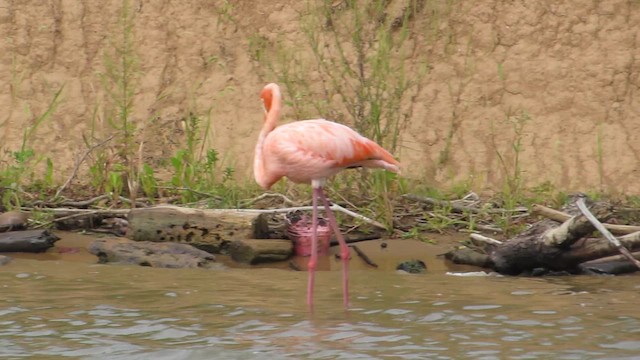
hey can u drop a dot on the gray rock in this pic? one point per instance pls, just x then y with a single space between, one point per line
147 253
27 241
4 260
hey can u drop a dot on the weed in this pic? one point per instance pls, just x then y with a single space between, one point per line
18 171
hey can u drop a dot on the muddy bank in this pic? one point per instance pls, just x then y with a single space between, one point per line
74 247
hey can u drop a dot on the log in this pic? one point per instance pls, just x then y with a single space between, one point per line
551 247
612 265
27 241
545 244
253 251
211 230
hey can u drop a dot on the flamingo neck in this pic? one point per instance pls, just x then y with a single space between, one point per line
263 178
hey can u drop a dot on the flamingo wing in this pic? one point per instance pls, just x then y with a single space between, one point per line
317 149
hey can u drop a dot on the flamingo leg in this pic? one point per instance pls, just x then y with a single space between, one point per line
313 259
344 249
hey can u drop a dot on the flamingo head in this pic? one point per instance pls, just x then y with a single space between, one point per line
268 93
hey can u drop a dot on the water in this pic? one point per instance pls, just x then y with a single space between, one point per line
74 309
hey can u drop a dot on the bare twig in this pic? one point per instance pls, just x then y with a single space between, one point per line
460 208
598 225
76 213
334 207
79 162
266 195
364 256
485 239
190 190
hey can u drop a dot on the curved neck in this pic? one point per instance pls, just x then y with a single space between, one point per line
273 106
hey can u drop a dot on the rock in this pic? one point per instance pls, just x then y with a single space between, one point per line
4 260
27 241
412 266
253 251
147 253
13 220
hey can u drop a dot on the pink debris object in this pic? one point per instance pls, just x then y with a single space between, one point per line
300 231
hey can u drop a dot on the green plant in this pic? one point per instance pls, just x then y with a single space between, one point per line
193 167
512 170
119 81
512 193
19 169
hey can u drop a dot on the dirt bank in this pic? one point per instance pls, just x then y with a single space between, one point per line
567 71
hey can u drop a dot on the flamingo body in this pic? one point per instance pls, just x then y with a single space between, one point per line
310 151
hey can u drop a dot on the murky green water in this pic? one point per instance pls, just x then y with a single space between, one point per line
51 309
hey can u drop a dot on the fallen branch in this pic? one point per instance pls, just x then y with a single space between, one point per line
560 216
460 208
334 207
285 199
66 214
612 239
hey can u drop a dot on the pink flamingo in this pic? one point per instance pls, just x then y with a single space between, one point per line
311 151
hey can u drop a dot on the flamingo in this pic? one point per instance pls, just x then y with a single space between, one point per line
310 151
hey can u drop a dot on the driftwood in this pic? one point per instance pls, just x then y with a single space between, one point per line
27 241
253 251
612 239
560 216
613 265
547 245
209 230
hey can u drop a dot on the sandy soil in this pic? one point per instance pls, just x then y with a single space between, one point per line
572 66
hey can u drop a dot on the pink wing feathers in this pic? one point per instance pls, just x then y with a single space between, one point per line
317 149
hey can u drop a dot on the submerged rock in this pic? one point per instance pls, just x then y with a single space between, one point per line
13 220
4 260
412 266
27 241
147 253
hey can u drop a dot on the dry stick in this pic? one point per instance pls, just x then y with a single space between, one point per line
598 225
190 190
334 207
560 216
79 162
76 213
485 239
459 208
285 199
364 256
